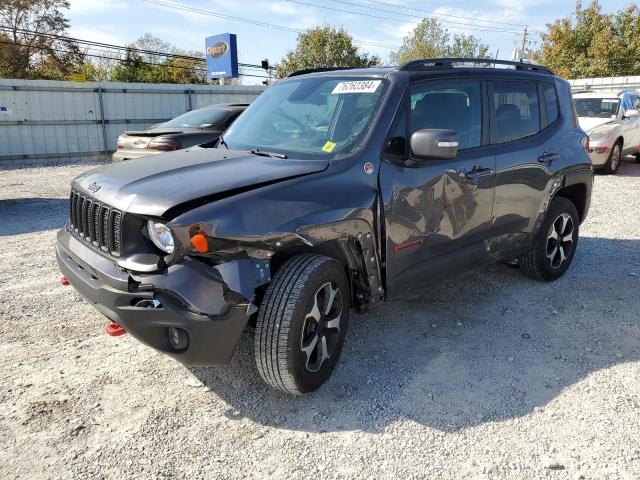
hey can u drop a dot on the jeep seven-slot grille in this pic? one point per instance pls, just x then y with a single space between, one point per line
96 223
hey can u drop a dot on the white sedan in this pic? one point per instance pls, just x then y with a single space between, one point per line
612 121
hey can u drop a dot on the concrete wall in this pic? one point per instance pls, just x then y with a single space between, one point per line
51 119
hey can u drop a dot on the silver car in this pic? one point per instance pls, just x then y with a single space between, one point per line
611 119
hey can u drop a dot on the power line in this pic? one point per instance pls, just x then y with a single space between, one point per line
442 14
121 60
202 11
450 24
122 48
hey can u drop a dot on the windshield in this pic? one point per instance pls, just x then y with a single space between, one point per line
203 118
597 107
310 118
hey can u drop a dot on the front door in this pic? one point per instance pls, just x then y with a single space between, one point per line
437 212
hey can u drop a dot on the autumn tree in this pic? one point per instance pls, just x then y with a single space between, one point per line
590 43
431 40
30 47
324 47
153 60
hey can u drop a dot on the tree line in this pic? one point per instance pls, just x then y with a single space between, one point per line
34 45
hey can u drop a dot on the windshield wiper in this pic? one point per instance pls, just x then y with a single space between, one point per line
263 153
222 142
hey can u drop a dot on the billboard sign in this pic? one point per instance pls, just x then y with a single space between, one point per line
222 56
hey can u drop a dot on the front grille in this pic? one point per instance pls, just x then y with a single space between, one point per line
96 223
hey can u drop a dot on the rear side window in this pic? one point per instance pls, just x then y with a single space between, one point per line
551 103
453 105
516 109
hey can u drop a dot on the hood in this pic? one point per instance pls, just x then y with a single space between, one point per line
590 123
151 186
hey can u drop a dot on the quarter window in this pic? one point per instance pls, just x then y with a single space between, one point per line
452 105
517 111
397 141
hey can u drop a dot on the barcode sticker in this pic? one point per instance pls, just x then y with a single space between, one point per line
359 86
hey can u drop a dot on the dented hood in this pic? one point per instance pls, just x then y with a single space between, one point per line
152 185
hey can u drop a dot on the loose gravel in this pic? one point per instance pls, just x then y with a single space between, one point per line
488 375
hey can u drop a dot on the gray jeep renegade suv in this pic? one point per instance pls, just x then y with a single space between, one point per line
334 190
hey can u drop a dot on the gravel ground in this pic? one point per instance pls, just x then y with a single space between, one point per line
489 375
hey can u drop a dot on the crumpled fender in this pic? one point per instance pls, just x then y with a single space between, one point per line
337 204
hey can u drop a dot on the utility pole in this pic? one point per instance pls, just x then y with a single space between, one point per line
524 44
521 52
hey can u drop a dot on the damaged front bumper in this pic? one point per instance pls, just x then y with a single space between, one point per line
211 304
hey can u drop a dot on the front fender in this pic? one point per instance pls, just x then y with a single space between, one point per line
302 213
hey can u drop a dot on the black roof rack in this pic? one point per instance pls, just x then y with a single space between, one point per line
447 63
319 69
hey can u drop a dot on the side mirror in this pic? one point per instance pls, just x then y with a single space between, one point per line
632 113
434 143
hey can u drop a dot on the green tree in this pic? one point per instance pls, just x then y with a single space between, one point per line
324 47
151 66
590 43
431 40
28 48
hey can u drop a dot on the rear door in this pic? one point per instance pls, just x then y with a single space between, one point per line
525 117
437 212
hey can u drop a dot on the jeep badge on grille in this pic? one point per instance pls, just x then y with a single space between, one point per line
94 187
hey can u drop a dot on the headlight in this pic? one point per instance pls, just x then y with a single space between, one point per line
160 235
600 133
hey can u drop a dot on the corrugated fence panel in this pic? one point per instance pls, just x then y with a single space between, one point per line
606 83
50 119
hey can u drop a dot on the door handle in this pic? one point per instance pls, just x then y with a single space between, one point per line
478 172
548 157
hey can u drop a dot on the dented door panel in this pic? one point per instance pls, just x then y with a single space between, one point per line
434 211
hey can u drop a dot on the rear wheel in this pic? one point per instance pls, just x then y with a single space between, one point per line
302 324
611 167
555 243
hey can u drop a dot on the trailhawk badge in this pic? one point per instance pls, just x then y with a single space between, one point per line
368 168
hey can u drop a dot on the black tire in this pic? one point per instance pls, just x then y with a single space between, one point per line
613 162
542 262
637 155
286 324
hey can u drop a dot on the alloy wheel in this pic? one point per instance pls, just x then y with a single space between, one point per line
321 327
560 240
615 157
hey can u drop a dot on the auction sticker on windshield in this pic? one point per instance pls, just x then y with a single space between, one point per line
357 86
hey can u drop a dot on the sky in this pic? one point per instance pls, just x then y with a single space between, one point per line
495 22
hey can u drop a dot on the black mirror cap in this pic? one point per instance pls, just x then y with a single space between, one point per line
434 143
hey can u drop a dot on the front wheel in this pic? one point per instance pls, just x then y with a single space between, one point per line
302 324
555 243
611 167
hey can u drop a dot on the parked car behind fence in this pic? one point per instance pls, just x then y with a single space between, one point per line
192 128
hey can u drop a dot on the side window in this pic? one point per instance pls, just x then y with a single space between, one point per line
455 105
551 103
517 111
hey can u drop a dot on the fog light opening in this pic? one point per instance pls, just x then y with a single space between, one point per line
178 338
146 303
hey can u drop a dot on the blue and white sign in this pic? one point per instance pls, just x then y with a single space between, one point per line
222 56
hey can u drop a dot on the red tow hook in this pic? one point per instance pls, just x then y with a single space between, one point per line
64 281
115 330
